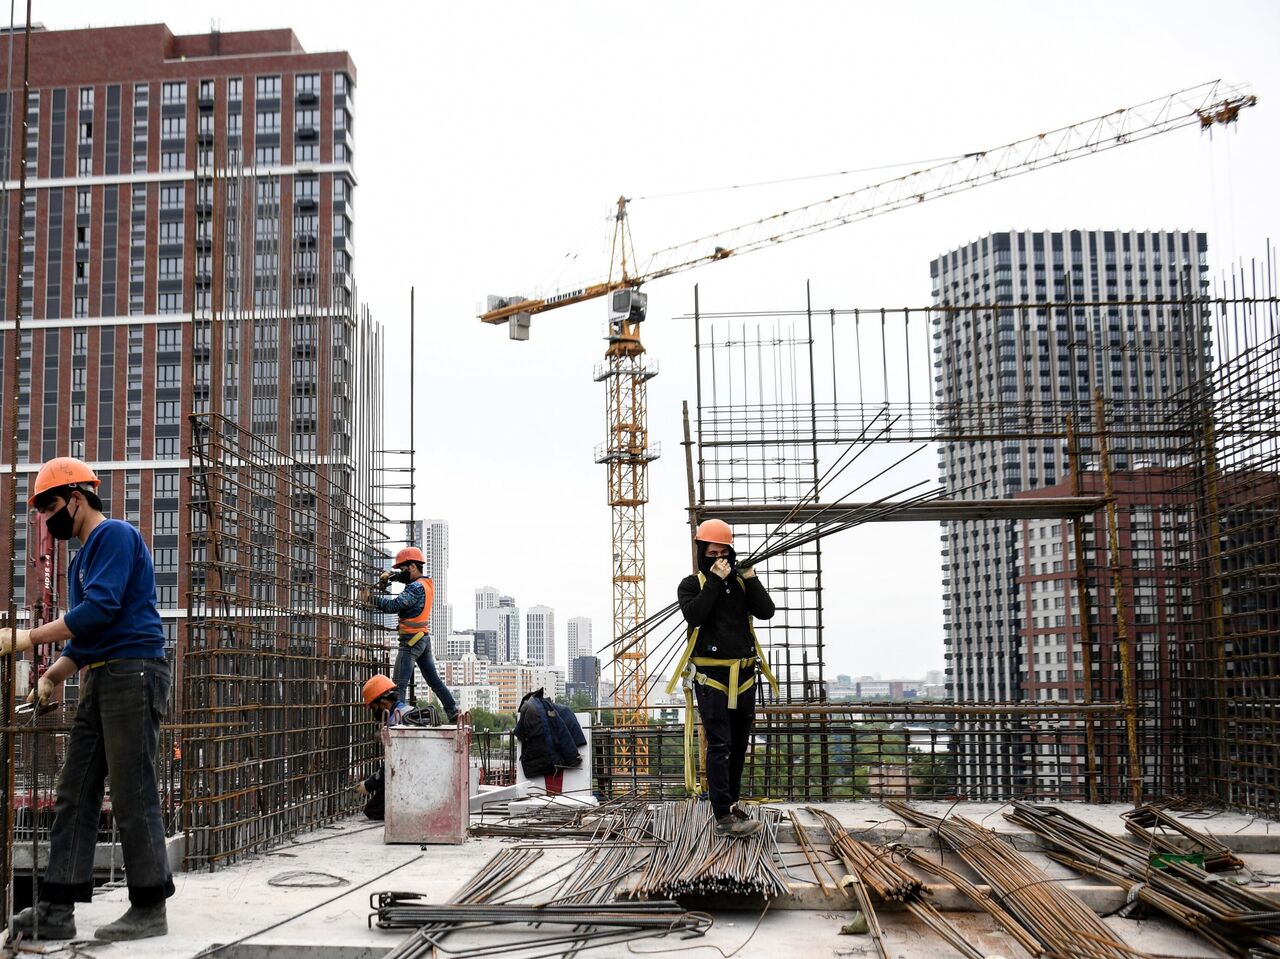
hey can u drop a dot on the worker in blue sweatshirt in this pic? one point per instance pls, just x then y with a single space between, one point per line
111 631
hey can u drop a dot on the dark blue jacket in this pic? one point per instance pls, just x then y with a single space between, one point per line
111 598
549 735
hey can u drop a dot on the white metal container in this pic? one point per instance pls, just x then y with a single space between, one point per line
427 784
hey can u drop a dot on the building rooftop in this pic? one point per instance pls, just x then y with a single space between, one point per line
311 898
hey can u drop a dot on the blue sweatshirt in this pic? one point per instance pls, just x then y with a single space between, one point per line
111 592
407 603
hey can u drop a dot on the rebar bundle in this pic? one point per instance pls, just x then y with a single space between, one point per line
1063 924
693 860
1146 821
1234 919
878 868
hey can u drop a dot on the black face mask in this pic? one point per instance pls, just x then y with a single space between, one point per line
61 523
402 575
705 562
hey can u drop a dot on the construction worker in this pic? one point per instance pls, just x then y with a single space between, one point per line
719 664
383 700
413 606
111 630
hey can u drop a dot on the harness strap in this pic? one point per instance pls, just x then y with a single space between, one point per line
686 670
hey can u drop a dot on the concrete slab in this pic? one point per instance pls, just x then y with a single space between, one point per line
264 912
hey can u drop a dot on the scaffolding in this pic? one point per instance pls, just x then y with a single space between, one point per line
1143 567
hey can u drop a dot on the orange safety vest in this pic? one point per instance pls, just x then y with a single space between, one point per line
413 628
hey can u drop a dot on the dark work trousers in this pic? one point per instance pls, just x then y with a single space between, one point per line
115 733
420 653
728 733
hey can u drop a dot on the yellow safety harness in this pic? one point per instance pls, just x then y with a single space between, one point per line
686 671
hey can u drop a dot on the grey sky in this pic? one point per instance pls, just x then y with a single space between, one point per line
492 138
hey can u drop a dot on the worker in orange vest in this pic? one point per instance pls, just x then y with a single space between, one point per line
413 607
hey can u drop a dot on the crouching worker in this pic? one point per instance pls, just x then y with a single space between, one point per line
720 663
383 700
112 631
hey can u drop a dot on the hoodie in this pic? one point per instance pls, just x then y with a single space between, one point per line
721 610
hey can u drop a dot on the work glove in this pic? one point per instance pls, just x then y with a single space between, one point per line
43 691
360 788
14 639
749 572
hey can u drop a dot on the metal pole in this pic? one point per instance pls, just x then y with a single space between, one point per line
1085 635
11 662
413 403
688 469
1129 692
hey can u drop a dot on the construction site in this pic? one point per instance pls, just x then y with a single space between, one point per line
1095 418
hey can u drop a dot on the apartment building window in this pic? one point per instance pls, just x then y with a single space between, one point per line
170 267
206 89
268 87
86 98
235 89
173 160
172 196
171 232
341 85
166 447
174 92
167 413
303 119
341 119
170 302
307 83
166 522
268 121
234 124
169 339
166 559
81 306
267 156
173 128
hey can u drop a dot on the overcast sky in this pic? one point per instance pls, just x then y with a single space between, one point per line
493 138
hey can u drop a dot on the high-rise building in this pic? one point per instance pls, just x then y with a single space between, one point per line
1006 349
129 245
540 636
584 677
504 623
433 540
1012 341
578 638
486 598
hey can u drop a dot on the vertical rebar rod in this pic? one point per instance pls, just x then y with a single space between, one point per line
1127 677
11 660
1085 635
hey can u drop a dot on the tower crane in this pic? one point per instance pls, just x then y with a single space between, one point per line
625 372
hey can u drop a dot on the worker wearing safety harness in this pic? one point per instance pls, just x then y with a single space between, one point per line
413 606
719 667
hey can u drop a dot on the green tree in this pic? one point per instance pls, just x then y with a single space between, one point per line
483 721
580 702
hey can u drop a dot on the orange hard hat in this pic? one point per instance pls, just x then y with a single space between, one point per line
61 471
376 687
714 531
410 554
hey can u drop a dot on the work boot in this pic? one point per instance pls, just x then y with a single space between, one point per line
57 921
727 825
140 922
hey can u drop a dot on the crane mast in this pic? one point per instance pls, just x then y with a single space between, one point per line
626 370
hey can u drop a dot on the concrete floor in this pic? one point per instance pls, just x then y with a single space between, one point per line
246 902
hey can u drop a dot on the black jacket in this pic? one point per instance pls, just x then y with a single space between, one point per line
720 611
549 735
